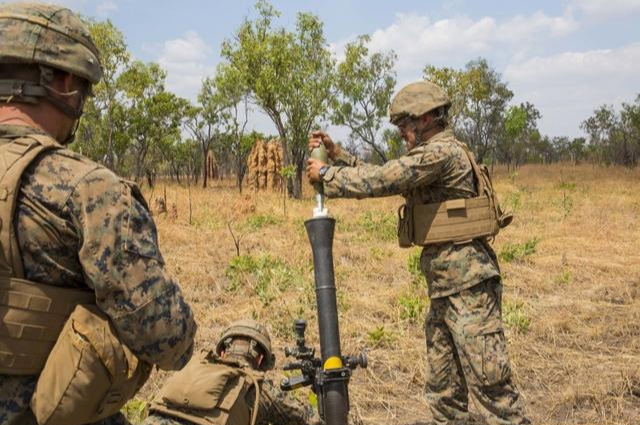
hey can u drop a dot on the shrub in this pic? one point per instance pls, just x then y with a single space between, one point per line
257 222
379 225
518 252
515 316
269 277
379 336
412 307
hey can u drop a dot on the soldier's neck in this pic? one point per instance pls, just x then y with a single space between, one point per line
42 116
424 137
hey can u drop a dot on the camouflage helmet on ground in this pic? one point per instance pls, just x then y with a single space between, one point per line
416 99
248 328
50 36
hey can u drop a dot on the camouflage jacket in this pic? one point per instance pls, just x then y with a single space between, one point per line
78 224
434 171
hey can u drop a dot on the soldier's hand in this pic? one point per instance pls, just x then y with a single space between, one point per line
318 137
313 170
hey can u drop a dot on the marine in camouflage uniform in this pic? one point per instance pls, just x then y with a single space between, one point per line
79 225
466 348
235 349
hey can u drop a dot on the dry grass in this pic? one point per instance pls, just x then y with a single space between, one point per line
573 301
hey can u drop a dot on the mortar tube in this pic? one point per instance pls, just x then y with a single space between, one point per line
320 231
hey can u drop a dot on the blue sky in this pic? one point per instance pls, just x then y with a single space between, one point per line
566 56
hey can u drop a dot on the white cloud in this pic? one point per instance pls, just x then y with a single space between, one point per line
418 40
568 87
187 60
605 8
106 7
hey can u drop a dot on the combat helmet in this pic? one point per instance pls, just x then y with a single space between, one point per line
50 36
416 99
256 332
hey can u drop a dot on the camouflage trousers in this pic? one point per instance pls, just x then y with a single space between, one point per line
467 358
15 395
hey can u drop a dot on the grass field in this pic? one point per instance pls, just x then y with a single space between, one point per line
571 267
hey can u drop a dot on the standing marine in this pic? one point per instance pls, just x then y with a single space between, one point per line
451 210
86 304
228 386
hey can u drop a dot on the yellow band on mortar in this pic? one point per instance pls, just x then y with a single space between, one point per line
333 363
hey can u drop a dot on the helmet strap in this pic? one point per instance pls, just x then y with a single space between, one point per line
46 78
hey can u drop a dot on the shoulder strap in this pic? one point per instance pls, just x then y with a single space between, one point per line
481 183
15 158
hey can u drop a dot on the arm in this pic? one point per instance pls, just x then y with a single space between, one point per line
421 166
276 407
122 262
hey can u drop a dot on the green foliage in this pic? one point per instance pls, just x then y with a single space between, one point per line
395 143
413 306
288 171
564 277
266 276
568 186
378 225
615 134
413 265
566 200
380 337
479 102
365 82
515 316
289 75
513 201
257 222
518 252
135 410
378 253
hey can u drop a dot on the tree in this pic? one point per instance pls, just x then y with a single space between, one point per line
204 121
234 98
288 75
101 132
484 111
520 127
364 86
393 139
153 115
615 136
479 101
456 83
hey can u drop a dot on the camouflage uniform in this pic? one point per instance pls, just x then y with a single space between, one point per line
276 408
79 225
466 348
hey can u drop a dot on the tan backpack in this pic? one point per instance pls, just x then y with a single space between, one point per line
210 391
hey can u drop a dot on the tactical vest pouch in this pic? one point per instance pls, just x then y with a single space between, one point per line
206 393
458 220
405 226
32 316
89 374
